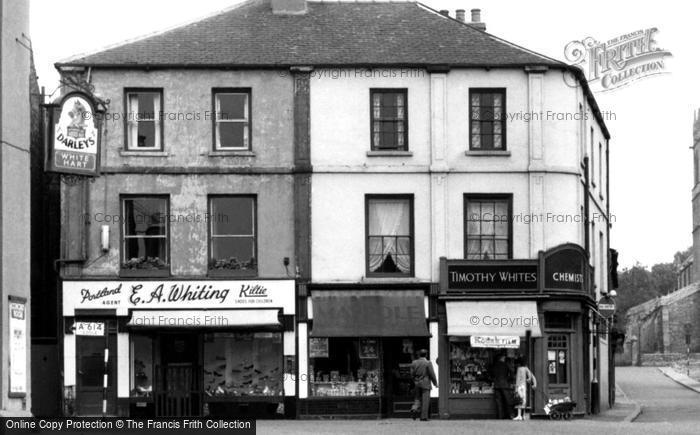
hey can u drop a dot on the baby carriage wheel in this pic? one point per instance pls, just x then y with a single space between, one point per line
555 415
567 415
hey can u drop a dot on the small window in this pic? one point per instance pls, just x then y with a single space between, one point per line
232 120
487 227
232 234
558 359
389 235
389 119
143 120
145 233
487 121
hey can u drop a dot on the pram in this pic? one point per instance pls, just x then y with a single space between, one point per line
559 409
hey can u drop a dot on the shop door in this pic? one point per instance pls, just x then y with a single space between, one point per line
90 372
398 387
559 365
179 392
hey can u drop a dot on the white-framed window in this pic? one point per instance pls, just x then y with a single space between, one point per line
232 119
144 127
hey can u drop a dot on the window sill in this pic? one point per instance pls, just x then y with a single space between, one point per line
232 153
389 153
133 153
144 273
228 273
487 153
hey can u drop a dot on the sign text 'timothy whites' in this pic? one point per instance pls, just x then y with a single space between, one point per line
491 277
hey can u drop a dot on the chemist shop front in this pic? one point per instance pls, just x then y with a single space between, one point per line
357 345
179 348
515 309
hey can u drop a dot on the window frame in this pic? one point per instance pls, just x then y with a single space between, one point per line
210 237
159 124
122 242
504 129
411 225
216 147
508 197
373 146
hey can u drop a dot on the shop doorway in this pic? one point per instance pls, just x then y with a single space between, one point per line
178 392
398 386
90 372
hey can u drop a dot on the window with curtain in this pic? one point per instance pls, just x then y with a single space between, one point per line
145 233
390 235
232 120
389 119
487 227
144 126
487 119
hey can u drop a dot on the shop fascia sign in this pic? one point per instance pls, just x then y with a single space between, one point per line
123 296
73 136
468 275
495 341
566 268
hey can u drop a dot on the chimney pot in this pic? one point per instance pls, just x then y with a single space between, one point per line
445 12
476 15
459 14
476 20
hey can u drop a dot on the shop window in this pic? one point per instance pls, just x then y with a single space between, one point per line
487 119
145 233
243 364
142 373
389 119
344 367
143 120
555 320
558 359
389 235
488 227
232 119
471 367
232 234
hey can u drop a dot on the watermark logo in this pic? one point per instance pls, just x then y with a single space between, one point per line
620 61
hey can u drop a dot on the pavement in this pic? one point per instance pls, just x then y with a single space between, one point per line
647 402
681 378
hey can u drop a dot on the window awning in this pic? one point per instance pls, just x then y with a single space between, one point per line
369 313
204 318
511 318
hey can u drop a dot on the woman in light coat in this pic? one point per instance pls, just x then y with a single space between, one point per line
523 376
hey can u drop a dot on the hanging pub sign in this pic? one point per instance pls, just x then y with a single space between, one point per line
565 268
73 137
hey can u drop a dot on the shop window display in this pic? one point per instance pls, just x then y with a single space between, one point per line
344 367
141 366
471 367
243 364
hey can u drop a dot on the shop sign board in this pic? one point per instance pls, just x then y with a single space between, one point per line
495 341
565 268
18 347
74 139
177 294
90 329
318 347
463 275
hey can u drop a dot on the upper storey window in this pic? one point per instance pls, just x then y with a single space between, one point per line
389 112
487 119
144 129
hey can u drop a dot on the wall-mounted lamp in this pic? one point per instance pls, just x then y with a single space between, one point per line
104 238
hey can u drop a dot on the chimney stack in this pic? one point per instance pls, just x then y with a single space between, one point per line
288 7
445 12
460 15
476 20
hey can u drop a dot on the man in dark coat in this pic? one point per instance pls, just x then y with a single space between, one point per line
423 377
501 386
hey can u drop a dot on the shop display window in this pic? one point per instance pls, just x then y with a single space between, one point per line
471 367
344 367
141 366
243 364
